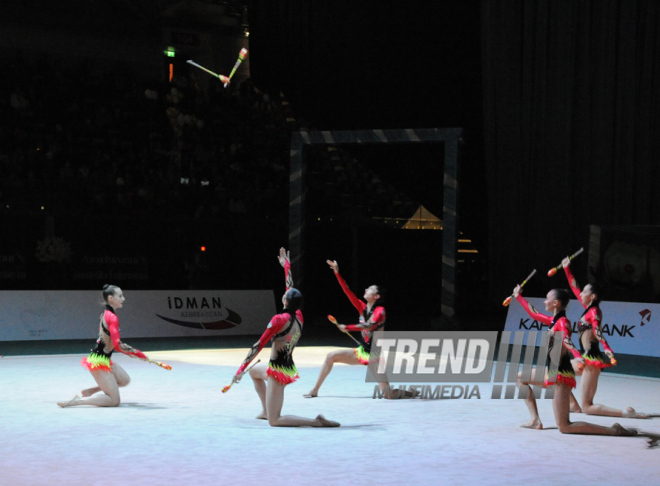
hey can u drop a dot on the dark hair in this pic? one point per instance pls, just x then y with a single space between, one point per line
595 289
562 295
109 290
294 299
382 291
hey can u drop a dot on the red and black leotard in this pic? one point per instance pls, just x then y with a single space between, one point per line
284 330
557 323
108 342
371 320
591 320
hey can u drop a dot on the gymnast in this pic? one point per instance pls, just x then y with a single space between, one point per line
590 334
284 330
556 302
372 319
109 376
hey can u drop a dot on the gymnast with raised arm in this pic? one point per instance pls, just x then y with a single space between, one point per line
590 334
283 330
372 319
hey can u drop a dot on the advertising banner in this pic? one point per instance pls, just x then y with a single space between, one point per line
45 315
628 327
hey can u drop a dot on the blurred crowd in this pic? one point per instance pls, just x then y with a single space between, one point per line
341 186
79 139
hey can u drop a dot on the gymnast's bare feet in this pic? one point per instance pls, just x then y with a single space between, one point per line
90 391
262 416
311 394
533 424
325 422
623 431
399 393
630 412
414 393
69 403
575 406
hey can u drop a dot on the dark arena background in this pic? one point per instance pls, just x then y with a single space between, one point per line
122 163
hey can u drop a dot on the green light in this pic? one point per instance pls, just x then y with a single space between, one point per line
169 52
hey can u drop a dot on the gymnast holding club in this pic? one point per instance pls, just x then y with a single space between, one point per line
109 376
372 319
590 332
556 302
283 330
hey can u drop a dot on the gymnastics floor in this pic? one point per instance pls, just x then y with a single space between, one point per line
177 428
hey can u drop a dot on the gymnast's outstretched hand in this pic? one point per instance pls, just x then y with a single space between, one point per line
283 257
334 265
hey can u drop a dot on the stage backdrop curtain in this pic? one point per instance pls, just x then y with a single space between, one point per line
572 129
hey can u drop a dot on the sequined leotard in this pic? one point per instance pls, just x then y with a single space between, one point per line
108 342
370 321
590 320
284 330
557 323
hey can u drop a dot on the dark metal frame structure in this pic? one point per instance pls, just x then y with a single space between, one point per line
449 136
